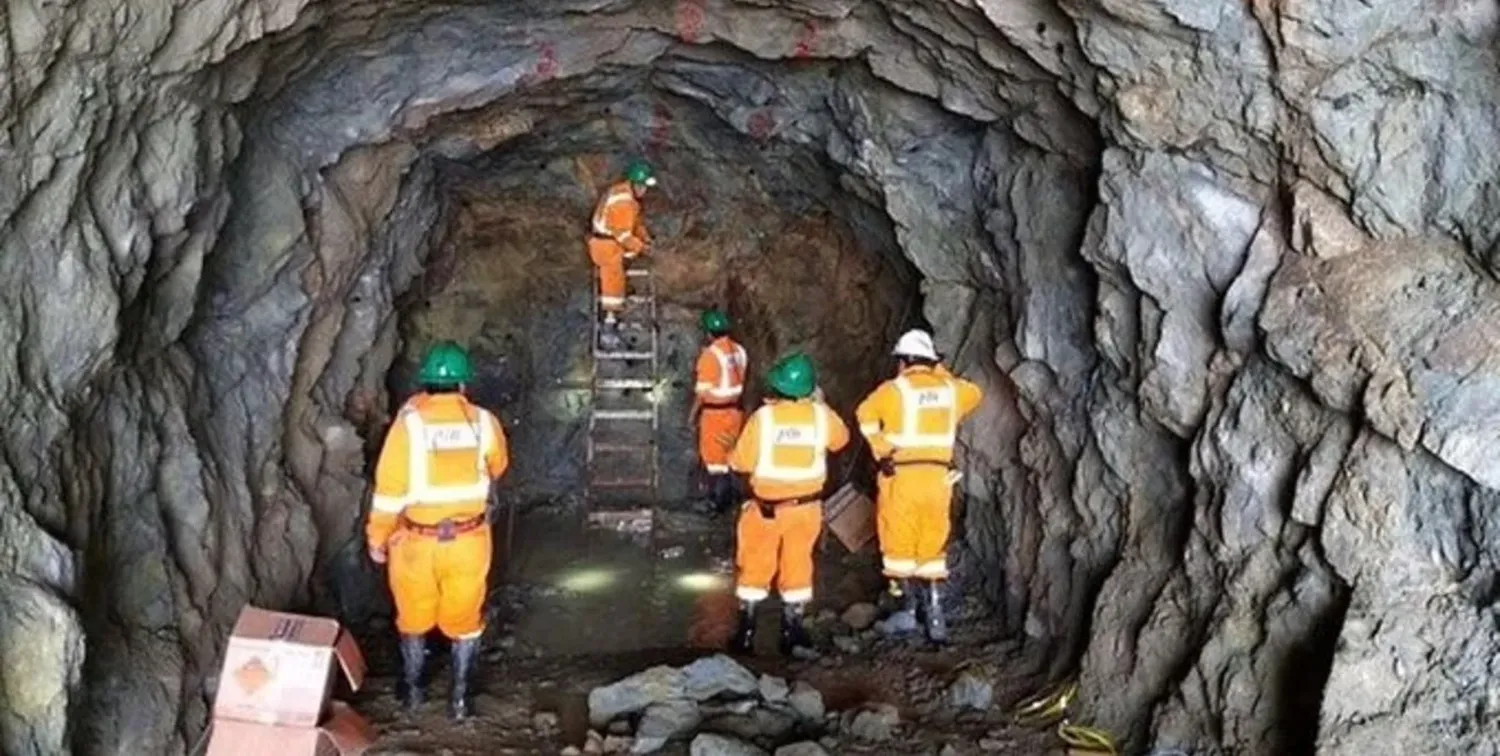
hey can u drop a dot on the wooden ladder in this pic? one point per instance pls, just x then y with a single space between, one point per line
623 464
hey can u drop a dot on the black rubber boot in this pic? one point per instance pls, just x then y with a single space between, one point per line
793 634
937 624
721 491
464 654
413 655
744 635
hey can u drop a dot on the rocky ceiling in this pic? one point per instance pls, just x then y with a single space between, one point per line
1226 269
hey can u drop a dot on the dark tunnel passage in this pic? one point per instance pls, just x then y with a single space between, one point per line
761 230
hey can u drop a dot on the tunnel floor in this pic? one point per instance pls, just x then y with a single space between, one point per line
577 607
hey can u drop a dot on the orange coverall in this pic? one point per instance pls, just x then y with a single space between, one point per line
618 234
436 465
720 382
784 448
913 419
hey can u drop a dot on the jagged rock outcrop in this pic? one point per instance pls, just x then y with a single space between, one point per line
1226 271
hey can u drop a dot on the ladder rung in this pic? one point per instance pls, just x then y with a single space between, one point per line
625 383
622 355
625 448
607 414
638 299
623 483
616 518
637 272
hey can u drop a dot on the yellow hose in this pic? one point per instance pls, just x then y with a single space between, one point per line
1087 739
1046 707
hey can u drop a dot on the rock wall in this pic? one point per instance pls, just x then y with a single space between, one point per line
1225 269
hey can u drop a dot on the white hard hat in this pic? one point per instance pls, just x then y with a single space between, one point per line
915 343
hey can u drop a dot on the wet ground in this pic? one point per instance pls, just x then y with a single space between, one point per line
577 607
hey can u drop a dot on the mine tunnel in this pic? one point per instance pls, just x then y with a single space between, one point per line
1224 272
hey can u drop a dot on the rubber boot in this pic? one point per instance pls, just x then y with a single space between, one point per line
793 634
937 624
413 655
464 654
721 491
744 635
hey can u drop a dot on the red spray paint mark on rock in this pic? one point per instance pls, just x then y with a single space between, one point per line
807 40
546 62
690 15
761 123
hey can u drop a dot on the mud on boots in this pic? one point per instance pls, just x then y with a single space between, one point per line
428 516
718 386
784 450
410 693
911 423
618 234
464 656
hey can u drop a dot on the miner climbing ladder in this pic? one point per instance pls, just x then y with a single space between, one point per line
623 464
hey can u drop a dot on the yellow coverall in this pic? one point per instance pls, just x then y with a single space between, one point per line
618 234
913 419
784 448
431 486
720 383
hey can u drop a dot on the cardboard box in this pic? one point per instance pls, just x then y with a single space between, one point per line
278 668
850 515
343 733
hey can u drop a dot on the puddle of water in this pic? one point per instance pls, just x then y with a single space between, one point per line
594 591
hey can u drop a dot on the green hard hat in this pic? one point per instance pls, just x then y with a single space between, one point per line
446 365
714 321
793 376
639 172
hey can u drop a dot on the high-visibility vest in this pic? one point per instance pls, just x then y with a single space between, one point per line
778 435
732 362
425 437
929 415
617 194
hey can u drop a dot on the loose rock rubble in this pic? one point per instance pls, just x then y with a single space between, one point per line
715 694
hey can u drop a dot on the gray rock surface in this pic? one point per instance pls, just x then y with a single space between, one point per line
773 689
1225 271
761 722
805 748
661 722
806 701
971 691
657 685
709 744
874 724
715 675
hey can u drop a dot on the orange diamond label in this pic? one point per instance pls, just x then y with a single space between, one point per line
252 675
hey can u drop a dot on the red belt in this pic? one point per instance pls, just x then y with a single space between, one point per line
447 529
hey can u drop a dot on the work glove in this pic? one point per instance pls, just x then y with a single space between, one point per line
887 466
